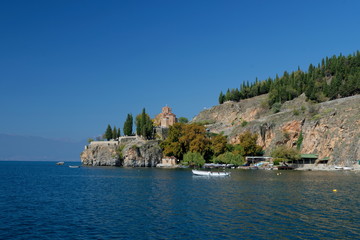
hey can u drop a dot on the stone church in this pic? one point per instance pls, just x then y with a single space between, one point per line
166 118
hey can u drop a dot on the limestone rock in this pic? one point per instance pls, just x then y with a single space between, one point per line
142 154
329 129
134 153
100 155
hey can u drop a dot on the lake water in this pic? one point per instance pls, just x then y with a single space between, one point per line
39 200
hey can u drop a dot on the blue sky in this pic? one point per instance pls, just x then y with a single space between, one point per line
68 68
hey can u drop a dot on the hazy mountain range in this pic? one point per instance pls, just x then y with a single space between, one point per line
30 148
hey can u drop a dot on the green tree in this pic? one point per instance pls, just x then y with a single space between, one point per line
183 120
185 138
284 152
144 125
230 158
128 125
108 133
334 77
114 133
248 142
221 98
218 144
299 141
193 159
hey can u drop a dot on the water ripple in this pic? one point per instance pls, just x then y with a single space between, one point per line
44 201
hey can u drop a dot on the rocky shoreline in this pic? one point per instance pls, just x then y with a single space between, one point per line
125 152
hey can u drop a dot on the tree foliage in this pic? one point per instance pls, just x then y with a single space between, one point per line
193 159
185 138
285 152
335 77
144 125
248 142
108 133
193 137
230 158
183 120
128 125
219 145
112 133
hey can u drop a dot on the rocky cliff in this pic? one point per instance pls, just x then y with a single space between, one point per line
330 129
135 153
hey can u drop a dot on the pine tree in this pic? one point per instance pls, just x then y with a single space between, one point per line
221 98
108 133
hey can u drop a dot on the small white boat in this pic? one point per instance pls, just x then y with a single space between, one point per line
338 168
72 166
347 168
210 173
60 163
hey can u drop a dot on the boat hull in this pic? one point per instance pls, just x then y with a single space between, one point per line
209 173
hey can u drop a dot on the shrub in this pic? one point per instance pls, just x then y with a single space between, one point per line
134 147
313 110
299 141
119 151
193 159
276 107
205 122
229 158
277 161
264 104
244 123
285 153
286 136
316 117
183 120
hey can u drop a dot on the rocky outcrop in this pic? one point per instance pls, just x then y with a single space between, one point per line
223 118
135 153
142 154
330 129
100 155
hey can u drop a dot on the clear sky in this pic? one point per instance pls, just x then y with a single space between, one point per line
69 68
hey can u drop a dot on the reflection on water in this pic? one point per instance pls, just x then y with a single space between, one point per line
119 203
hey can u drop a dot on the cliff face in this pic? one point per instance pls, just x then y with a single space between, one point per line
142 154
330 129
135 153
100 155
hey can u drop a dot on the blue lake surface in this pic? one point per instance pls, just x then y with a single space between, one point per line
39 200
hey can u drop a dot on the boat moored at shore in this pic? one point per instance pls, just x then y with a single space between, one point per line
210 173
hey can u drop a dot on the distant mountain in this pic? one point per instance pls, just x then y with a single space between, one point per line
30 148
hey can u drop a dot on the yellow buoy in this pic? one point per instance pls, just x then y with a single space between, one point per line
334 190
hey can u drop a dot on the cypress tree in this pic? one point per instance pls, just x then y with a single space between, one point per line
108 133
114 133
138 124
128 125
144 125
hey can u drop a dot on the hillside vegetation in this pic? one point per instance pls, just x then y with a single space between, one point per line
335 77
